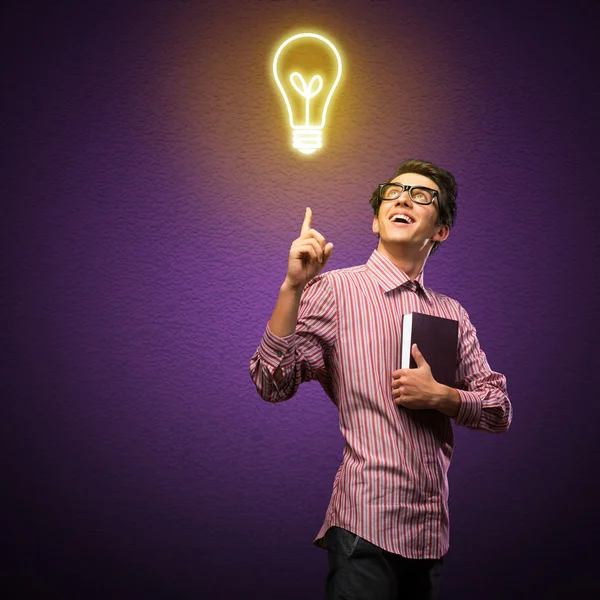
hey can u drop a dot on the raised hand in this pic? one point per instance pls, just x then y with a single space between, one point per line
308 255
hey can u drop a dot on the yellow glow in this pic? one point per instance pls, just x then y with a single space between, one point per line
307 117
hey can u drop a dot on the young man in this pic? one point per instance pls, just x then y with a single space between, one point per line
386 529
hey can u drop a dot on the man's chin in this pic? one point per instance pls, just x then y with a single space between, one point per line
403 243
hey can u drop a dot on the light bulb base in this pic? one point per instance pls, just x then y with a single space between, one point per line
307 140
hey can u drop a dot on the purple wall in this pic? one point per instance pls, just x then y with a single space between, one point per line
149 200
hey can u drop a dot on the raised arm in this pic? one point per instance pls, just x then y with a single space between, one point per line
289 352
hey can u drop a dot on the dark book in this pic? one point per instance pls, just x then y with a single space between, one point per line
437 339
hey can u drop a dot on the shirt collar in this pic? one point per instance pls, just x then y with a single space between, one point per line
390 277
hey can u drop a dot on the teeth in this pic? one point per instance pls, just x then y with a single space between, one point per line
401 218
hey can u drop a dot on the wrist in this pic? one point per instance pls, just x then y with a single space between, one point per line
288 287
448 401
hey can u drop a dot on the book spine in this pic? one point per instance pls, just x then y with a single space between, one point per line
407 321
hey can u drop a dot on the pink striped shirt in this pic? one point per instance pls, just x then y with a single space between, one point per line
392 486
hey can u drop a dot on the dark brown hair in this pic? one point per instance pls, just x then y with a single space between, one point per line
444 180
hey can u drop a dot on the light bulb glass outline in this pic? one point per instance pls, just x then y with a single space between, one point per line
307 137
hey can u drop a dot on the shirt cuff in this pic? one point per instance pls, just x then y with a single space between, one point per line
471 406
276 351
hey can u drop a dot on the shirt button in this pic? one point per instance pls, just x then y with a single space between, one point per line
279 353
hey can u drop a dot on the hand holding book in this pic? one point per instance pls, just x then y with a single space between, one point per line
417 387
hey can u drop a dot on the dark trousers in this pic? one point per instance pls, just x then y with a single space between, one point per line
359 570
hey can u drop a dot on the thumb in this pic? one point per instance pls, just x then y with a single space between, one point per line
327 253
419 358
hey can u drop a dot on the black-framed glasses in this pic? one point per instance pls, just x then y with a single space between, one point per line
417 193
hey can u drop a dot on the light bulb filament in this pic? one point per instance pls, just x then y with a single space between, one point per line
307 91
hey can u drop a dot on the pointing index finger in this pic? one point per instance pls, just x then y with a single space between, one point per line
307 221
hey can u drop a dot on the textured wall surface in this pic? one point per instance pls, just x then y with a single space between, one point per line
149 199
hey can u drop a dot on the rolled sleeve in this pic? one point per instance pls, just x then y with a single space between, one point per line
484 399
276 351
469 413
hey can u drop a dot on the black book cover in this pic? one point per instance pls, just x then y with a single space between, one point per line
437 339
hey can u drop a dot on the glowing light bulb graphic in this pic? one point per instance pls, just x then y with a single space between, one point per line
307 68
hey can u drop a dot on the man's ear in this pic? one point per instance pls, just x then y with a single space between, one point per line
442 234
375 224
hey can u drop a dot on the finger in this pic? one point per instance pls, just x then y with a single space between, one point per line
312 242
327 253
307 221
317 236
304 242
308 250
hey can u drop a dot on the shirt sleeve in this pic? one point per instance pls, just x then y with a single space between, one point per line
280 365
484 400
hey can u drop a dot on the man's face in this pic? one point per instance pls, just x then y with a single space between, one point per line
417 234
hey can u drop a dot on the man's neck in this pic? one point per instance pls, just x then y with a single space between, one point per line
412 265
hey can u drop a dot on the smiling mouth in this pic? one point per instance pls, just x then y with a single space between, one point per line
401 219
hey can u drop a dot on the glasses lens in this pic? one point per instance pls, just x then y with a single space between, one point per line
421 195
390 192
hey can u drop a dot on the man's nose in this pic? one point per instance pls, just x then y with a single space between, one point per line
403 197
